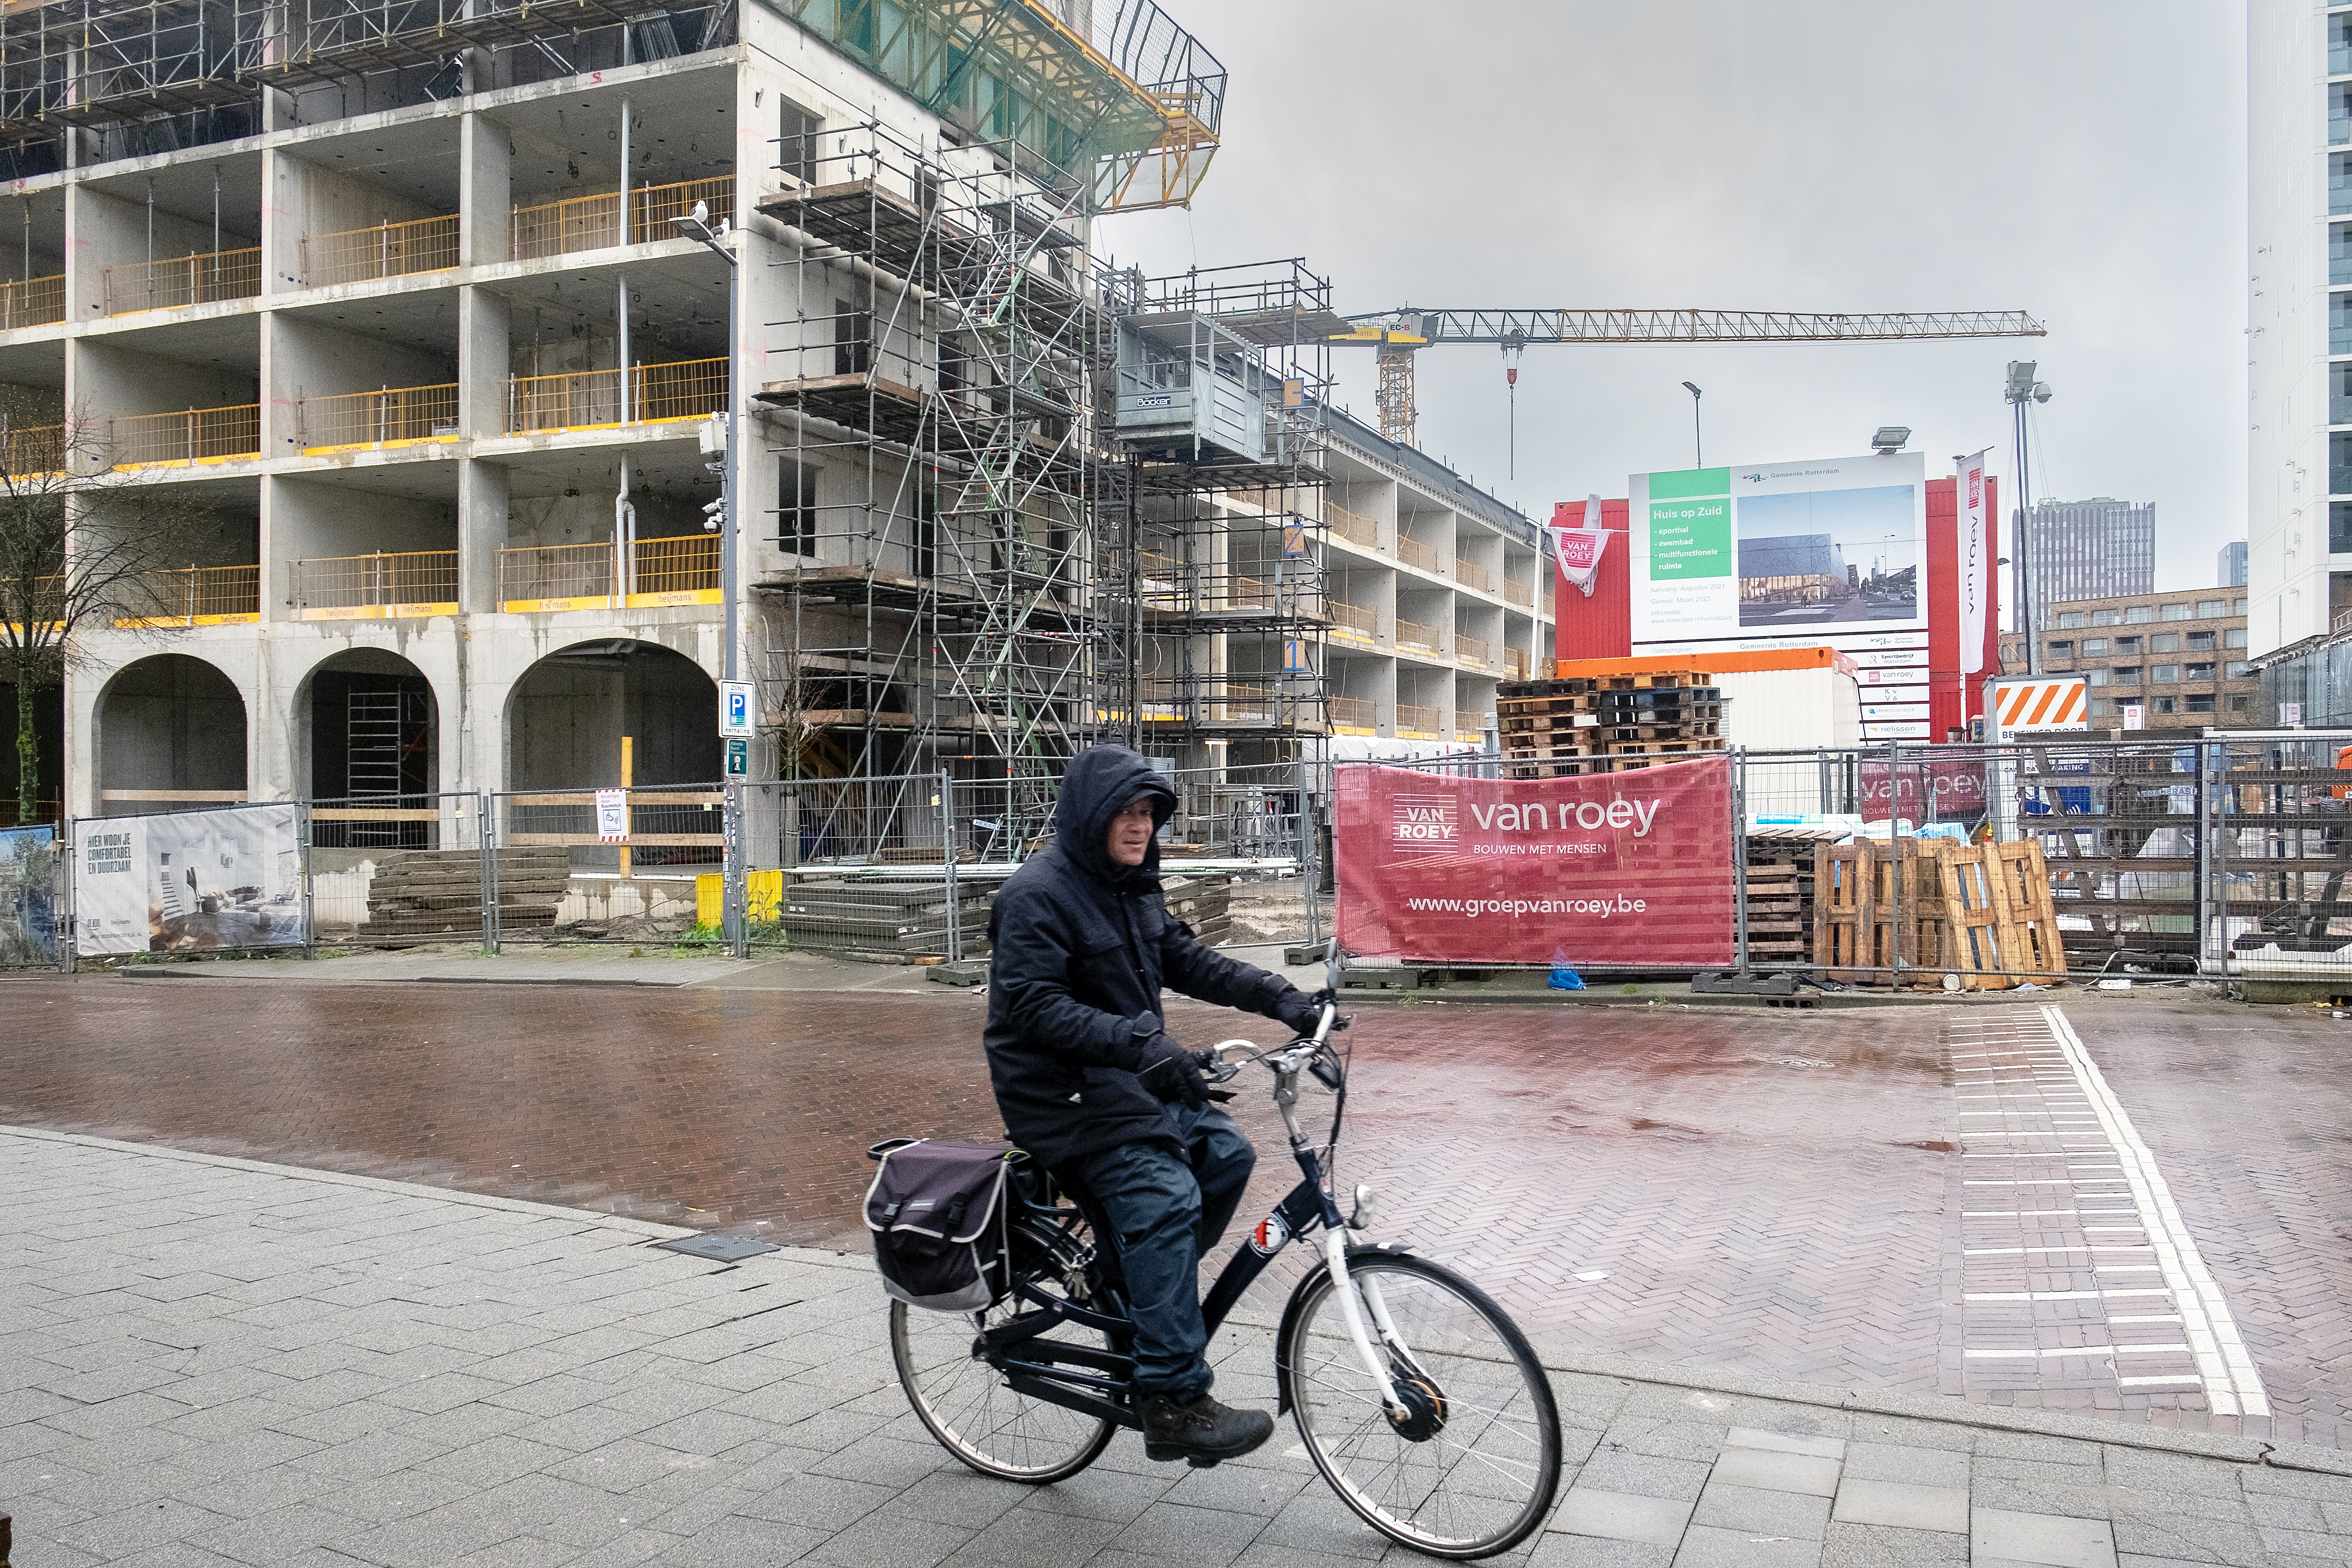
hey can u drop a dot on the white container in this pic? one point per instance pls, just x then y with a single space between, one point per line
1790 710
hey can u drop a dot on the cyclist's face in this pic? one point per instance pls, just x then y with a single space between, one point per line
1131 833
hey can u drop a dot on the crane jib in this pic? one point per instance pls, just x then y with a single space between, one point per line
1516 327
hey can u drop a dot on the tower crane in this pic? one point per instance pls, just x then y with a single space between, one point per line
1399 334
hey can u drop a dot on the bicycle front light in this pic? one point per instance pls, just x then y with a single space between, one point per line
1368 1208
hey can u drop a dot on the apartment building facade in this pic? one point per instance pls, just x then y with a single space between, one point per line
2299 299
2181 659
420 332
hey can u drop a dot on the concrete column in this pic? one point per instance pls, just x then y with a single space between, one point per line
481 535
281 544
281 387
281 223
483 362
484 154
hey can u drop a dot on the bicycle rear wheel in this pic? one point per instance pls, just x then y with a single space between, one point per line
965 1403
1472 1468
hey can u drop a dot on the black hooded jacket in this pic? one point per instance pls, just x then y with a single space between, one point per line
1081 947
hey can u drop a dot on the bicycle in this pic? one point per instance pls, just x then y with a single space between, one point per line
1417 1397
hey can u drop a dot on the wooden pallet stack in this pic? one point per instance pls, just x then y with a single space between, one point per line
1606 724
1780 902
1916 910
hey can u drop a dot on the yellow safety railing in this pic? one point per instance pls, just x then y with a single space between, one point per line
384 251
556 576
1414 716
196 596
1468 649
1413 552
183 280
378 587
594 222
1470 574
572 400
686 564
1518 592
376 418
32 302
1356 713
680 570
651 207
1356 618
1412 634
36 449
191 436
1352 526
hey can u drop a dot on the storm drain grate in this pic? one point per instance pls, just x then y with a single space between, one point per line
718 1249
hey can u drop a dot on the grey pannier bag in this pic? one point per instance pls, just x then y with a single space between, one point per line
938 1212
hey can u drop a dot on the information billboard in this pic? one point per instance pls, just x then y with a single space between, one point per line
1779 553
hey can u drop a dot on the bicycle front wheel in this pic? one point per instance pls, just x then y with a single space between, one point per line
965 1401
1470 1467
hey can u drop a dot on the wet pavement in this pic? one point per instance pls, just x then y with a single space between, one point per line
1756 1192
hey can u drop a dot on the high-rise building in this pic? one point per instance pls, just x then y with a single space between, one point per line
2230 565
2299 449
2097 549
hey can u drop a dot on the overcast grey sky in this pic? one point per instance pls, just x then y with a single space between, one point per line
2084 160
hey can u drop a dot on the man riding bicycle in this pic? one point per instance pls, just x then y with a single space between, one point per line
1093 1086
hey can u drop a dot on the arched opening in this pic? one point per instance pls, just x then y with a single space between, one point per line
170 734
572 710
370 725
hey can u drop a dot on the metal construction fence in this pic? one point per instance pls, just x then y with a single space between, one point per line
2222 856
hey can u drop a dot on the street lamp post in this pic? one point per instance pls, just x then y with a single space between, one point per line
697 227
1698 446
2020 390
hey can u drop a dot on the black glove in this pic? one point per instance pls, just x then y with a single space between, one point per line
1299 1011
1169 1071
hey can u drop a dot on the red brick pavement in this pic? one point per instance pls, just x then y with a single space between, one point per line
1759 1191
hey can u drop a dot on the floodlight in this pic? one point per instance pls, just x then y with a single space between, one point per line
1690 388
1890 439
2020 378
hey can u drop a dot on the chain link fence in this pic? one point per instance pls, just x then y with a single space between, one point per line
2224 857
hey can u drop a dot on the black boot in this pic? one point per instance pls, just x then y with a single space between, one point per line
1202 1431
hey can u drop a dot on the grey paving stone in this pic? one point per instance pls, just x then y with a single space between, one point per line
176 1554
958 1496
1704 1546
1785 1442
1902 1462
1622 1516
1260 1554
1235 1490
1316 1520
1591 1551
886 1461
2229 1540
2178 1474
1033 1538
1204 1535
2039 1538
820 1502
1613 1470
1902 1506
743 1543
1099 1493
1878 1546
1760 1512
271 1538
495 1459
892 1539
259 1491
377 1454
1781 1472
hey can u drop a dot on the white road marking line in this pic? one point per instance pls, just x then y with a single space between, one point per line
2058 1295
2232 1384
2075 1351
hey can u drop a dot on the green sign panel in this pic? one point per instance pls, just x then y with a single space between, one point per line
1690 537
738 759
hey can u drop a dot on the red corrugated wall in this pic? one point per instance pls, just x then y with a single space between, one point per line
1602 626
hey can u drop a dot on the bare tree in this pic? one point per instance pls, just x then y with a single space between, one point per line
84 545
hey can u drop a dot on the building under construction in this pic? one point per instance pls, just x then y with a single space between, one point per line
398 292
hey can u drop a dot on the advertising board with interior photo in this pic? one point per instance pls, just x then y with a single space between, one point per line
190 881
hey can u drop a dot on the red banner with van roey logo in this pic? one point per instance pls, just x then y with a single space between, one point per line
1620 868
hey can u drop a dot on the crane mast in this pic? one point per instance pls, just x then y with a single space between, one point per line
1399 334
